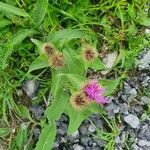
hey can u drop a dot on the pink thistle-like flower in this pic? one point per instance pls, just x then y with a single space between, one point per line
95 92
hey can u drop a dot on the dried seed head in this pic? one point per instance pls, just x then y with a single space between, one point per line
89 53
48 49
78 100
57 60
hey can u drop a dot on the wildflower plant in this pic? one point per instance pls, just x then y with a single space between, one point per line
57 42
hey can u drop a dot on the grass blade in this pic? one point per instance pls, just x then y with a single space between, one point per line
4 23
20 36
40 11
13 10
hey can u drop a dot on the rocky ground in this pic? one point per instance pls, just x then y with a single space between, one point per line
130 104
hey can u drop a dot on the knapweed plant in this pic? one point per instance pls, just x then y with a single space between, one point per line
63 44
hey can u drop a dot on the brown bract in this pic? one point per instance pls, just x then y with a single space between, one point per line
57 60
48 49
89 53
79 100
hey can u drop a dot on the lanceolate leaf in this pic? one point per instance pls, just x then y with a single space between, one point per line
60 100
21 137
76 117
97 64
72 64
47 137
13 10
20 36
65 35
76 80
4 23
59 104
110 85
40 11
4 132
39 63
24 112
16 39
143 20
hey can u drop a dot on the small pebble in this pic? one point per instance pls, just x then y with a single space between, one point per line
31 87
132 120
144 62
145 100
144 143
91 129
78 147
75 134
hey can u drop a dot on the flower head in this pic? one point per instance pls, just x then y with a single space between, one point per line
95 92
78 100
57 60
48 49
89 53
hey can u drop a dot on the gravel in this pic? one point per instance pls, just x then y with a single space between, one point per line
128 103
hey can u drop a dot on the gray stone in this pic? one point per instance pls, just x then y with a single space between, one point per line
144 143
31 87
83 130
138 108
116 110
133 92
134 146
37 110
75 134
85 140
78 147
91 128
99 142
144 132
110 109
144 62
124 108
132 120
145 100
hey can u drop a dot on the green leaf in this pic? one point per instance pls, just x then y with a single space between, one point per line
143 20
110 85
24 112
39 63
16 39
39 44
97 64
60 98
47 137
4 132
65 35
76 118
76 80
21 137
20 36
4 23
11 9
72 64
40 11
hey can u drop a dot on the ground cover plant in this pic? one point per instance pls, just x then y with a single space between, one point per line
63 47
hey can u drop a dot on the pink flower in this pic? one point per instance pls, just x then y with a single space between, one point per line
95 92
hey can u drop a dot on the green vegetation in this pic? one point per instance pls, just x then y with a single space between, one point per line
108 26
